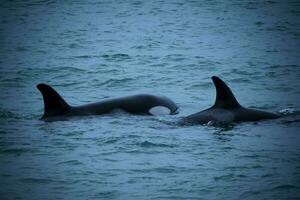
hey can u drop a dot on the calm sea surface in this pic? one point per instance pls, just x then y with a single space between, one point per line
91 50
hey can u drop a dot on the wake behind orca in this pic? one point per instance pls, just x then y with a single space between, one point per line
226 109
55 107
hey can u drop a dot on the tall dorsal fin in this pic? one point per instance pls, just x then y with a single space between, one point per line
224 97
54 104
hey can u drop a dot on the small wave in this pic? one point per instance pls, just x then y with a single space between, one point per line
240 80
74 46
38 2
139 47
71 162
251 193
243 72
106 194
15 151
291 121
111 141
259 23
148 144
116 82
133 136
35 180
284 67
60 70
85 56
200 85
164 170
159 65
284 187
119 56
287 111
227 177
4 114
116 57
294 11
21 48
175 57
290 115
137 3
30 72
236 168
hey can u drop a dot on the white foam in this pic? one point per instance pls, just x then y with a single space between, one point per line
287 111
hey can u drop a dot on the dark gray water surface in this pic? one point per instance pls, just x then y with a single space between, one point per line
90 50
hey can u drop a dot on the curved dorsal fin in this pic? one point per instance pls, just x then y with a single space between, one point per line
54 104
224 97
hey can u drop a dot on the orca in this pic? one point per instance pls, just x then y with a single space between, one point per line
55 107
226 109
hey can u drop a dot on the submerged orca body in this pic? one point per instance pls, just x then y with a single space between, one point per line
56 107
226 109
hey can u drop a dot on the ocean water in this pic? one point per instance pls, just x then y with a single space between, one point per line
91 50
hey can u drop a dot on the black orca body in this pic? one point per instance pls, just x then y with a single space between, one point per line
226 109
56 107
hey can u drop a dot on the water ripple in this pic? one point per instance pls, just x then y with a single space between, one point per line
148 144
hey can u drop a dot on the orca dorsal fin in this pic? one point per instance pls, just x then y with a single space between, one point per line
224 97
54 104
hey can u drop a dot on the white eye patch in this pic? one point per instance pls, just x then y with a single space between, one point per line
159 110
